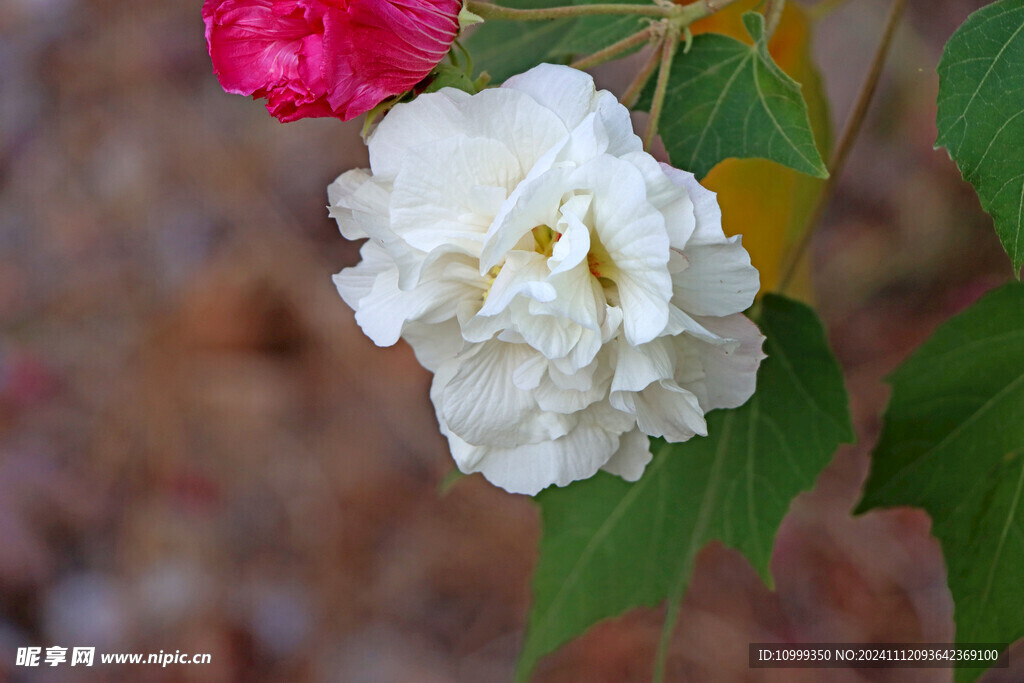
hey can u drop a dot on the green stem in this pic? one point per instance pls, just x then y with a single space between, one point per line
853 127
465 53
684 15
490 11
699 10
632 94
668 50
681 15
613 50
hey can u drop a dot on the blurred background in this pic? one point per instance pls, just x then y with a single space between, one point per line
200 451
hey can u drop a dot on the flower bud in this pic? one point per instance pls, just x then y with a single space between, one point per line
317 58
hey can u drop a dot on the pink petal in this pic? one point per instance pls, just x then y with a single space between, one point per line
379 48
254 44
313 58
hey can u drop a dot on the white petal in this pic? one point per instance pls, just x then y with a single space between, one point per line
666 409
510 336
427 118
617 125
487 200
434 344
514 118
620 195
355 283
552 336
574 244
439 189
586 349
467 456
361 207
611 323
382 318
556 394
411 262
705 207
482 405
554 399
532 203
338 202
579 297
670 199
633 233
586 141
718 281
480 328
530 372
523 273
457 269
730 375
345 184
565 91
386 308
369 205
579 371
637 367
530 468
581 379
645 312
677 262
681 323
632 457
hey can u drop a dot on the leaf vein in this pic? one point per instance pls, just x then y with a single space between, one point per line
988 72
928 454
1002 542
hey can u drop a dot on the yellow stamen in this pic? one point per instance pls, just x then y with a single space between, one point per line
491 276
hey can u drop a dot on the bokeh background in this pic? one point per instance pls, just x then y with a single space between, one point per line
199 450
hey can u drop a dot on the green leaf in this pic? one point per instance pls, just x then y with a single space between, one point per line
505 48
729 99
981 114
608 545
590 34
450 76
953 444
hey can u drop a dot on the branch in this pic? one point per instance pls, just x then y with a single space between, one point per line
853 127
772 17
614 49
824 8
681 15
487 10
668 51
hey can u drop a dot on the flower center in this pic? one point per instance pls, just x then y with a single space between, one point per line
544 239
598 259
491 276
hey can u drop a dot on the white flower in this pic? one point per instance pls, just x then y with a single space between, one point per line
571 295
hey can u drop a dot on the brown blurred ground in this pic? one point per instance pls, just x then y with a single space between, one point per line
199 450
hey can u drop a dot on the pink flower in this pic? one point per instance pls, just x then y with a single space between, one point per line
326 57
